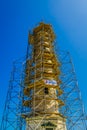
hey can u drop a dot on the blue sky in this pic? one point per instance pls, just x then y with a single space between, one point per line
69 20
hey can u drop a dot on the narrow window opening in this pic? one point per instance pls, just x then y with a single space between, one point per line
49 128
46 91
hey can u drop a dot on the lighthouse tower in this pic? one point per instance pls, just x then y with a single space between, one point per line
42 83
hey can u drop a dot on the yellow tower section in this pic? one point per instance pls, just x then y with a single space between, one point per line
42 83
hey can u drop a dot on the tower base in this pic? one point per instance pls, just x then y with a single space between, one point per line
46 123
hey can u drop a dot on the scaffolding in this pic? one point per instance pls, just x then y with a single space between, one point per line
43 93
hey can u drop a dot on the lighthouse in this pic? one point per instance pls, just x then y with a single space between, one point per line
42 83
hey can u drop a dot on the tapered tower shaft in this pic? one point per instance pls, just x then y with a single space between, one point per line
42 83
